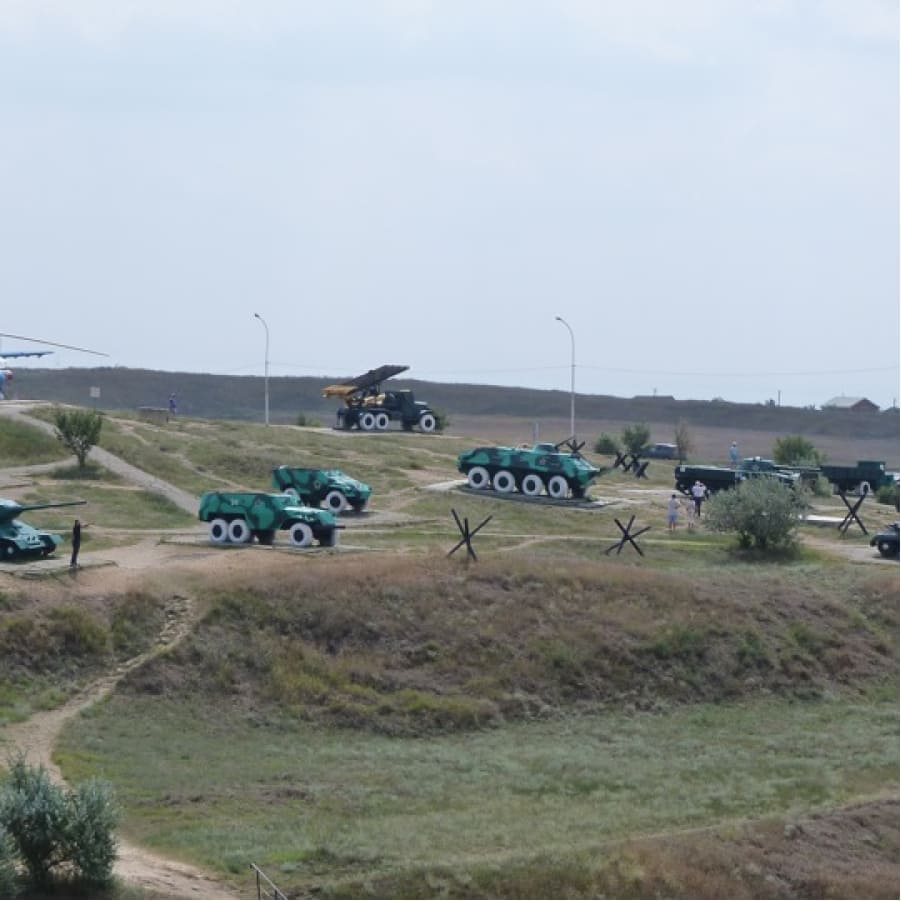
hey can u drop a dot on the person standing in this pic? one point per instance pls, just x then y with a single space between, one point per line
672 513
698 493
733 455
173 405
76 544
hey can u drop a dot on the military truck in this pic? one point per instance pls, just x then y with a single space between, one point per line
238 517
18 539
718 478
865 476
368 408
530 470
330 488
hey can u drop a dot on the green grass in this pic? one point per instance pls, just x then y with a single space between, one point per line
318 806
22 444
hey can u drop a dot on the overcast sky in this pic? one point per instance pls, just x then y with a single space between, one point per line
707 191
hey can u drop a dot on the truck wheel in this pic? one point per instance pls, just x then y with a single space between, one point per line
886 549
504 481
427 422
557 487
381 421
863 489
301 535
367 421
239 532
532 485
478 478
335 501
8 550
219 531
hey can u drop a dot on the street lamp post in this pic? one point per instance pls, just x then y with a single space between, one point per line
572 380
266 369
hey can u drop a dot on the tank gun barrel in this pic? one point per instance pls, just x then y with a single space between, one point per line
11 509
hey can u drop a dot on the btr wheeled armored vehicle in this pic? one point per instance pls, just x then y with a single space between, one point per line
18 539
239 517
330 488
531 470
368 408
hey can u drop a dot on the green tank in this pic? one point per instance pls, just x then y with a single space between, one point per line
18 539
330 488
532 471
239 517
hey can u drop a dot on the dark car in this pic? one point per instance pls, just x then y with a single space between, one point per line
661 452
887 541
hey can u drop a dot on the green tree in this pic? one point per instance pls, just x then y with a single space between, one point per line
761 511
78 430
607 444
683 440
635 437
7 865
796 450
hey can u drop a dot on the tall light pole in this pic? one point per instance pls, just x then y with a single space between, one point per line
572 380
266 369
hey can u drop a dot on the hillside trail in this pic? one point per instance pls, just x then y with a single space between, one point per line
37 736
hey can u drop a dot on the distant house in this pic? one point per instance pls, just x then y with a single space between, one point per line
858 404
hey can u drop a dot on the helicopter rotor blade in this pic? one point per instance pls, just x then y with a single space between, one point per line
83 350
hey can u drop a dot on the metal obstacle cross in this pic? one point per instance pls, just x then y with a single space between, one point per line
628 535
467 535
852 514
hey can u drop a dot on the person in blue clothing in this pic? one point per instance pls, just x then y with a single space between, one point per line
733 455
173 404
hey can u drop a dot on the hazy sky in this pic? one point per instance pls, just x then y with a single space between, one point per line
706 190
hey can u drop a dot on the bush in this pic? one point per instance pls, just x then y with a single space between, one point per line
795 450
8 886
607 444
442 420
78 430
55 830
683 440
635 437
888 494
761 511
311 421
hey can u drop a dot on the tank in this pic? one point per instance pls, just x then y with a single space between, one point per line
18 539
240 517
533 471
329 488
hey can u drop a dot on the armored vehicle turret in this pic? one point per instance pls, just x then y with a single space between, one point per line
18 539
239 517
330 488
531 470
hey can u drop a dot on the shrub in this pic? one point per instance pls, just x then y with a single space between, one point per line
311 421
78 430
683 440
7 866
54 830
607 444
442 420
635 437
888 494
762 512
796 450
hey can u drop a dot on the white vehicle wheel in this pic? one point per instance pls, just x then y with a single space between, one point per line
335 501
219 531
863 489
292 493
478 478
239 532
427 422
557 487
504 481
301 535
381 421
532 485
367 421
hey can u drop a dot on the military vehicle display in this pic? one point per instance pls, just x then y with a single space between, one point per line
887 542
18 539
719 478
239 517
865 476
330 488
532 471
368 408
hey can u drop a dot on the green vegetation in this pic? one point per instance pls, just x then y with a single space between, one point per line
635 437
21 443
78 430
796 450
55 831
607 444
682 439
763 513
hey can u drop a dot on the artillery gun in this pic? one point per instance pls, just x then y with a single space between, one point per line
368 408
322 487
530 470
18 539
239 517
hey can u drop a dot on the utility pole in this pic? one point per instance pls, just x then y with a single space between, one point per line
572 379
265 367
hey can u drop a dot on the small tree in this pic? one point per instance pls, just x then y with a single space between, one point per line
636 437
7 865
683 440
606 444
796 450
78 430
763 513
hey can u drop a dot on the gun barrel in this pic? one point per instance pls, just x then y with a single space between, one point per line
15 508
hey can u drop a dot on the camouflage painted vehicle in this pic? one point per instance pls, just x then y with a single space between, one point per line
719 478
533 471
322 487
239 517
18 539
863 477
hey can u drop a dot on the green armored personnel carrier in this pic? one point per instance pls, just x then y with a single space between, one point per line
718 478
239 517
18 539
533 471
330 488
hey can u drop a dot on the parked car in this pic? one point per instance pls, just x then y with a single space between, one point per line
661 452
886 542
